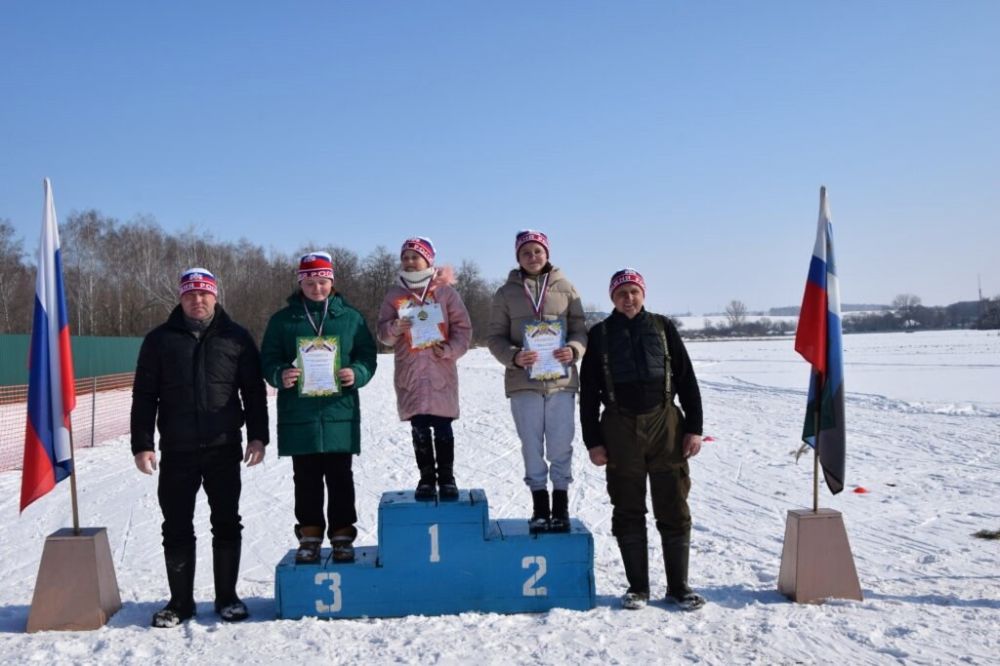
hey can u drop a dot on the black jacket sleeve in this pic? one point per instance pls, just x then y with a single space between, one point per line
592 389
253 392
685 383
145 395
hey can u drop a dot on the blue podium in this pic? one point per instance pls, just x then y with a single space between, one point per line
437 558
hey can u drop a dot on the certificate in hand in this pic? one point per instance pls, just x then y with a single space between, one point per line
427 319
319 360
545 337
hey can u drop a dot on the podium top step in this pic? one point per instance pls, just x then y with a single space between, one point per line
400 508
405 499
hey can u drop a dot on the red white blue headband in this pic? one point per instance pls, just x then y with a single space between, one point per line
626 276
530 236
198 279
422 246
316 264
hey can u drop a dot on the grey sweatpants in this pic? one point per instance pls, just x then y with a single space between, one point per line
545 424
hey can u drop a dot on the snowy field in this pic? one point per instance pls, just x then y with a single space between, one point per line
924 442
697 322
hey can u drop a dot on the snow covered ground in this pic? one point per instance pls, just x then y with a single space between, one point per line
924 441
698 322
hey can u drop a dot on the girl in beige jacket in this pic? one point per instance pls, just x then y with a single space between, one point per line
538 298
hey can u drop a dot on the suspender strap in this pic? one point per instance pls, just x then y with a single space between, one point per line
662 330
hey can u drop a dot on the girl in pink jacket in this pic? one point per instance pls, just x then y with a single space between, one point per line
424 320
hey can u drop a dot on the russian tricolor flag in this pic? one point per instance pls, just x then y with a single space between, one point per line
819 340
51 393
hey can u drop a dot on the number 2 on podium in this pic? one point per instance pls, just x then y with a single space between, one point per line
529 589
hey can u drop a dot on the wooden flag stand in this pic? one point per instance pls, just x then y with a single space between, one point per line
76 588
816 560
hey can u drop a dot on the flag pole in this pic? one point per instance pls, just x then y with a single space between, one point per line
816 459
821 379
72 485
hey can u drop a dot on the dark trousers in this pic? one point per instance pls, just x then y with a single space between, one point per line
311 472
441 424
182 473
640 446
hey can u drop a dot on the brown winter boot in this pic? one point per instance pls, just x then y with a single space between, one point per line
342 541
310 540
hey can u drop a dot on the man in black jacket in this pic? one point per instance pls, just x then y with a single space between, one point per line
635 365
192 372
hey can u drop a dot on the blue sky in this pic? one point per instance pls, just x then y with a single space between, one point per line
686 139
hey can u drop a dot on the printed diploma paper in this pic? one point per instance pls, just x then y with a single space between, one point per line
426 319
319 360
545 337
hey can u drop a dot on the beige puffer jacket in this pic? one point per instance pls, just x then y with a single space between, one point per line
511 310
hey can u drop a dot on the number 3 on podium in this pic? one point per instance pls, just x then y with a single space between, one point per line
337 603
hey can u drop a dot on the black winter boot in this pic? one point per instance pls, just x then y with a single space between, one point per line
447 488
540 513
635 557
423 448
676 553
180 578
560 511
226 567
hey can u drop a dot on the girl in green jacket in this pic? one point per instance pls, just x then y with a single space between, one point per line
317 351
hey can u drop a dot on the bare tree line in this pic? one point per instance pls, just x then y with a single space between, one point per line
15 282
121 278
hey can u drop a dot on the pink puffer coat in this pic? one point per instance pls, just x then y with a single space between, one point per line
425 383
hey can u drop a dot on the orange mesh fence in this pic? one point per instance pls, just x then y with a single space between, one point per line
101 414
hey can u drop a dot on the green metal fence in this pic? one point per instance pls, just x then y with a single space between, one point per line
92 357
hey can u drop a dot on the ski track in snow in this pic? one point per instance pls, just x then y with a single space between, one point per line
932 592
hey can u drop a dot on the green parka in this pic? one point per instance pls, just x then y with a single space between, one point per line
318 424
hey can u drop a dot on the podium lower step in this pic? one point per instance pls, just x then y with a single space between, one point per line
443 558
